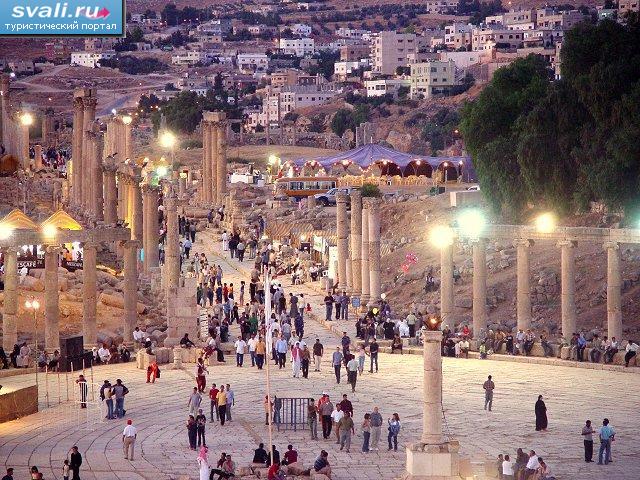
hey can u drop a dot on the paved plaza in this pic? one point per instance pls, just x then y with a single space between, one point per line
159 411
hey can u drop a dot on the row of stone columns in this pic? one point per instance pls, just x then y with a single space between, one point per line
359 251
151 227
118 142
83 166
52 296
214 162
523 285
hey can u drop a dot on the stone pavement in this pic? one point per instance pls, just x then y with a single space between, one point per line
159 411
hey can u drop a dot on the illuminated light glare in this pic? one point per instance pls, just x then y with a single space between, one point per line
127 119
26 119
545 223
273 159
114 111
5 231
441 236
25 248
471 223
303 237
49 231
162 171
383 296
433 323
167 140
418 162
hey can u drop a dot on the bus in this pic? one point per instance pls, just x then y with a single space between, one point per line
303 187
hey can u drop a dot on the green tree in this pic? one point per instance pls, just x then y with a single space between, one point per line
342 121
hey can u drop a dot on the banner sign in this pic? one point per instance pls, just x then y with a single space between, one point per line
62 18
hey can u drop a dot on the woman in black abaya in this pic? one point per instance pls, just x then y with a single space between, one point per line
541 415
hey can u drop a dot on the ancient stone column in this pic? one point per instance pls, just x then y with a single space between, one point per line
343 242
76 149
221 166
567 297
136 216
130 289
172 249
311 202
523 294
213 164
24 146
374 249
151 231
97 181
88 118
205 181
51 299
479 286
614 284
10 305
356 242
37 157
89 295
4 109
446 284
364 254
110 193
432 389
349 265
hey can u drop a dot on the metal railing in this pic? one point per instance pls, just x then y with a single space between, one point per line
290 413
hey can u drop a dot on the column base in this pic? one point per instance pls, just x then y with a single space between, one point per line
432 461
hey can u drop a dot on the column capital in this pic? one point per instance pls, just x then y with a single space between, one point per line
10 249
89 102
130 243
89 244
432 336
566 243
522 242
611 245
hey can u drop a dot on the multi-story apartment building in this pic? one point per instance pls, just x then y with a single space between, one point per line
299 47
441 6
462 60
391 50
343 70
488 38
354 33
301 29
90 59
252 62
378 88
458 35
565 20
431 78
189 57
355 52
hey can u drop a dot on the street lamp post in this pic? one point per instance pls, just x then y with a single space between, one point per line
34 305
26 120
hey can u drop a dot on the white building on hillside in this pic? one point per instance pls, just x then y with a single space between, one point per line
378 88
300 47
90 59
431 78
252 62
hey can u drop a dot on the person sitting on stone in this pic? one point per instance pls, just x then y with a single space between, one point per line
596 349
260 455
498 341
185 342
403 329
103 353
546 346
529 340
464 347
396 344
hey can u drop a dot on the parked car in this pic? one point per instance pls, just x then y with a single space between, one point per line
329 197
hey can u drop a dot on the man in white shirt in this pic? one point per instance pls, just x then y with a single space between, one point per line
507 468
532 464
252 342
104 354
464 347
129 439
336 416
138 336
240 346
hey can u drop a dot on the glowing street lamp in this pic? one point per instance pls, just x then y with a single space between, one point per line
26 119
167 140
5 231
471 223
49 231
441 236
127 119
546 222
33 305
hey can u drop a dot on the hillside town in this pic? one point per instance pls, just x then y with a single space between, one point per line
227 226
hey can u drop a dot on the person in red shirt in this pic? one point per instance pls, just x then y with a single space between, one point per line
213 393
274 472
290 456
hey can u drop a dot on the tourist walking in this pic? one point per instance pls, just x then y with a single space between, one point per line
376 428
606 435
325 408
213 394
346 427
366 432
240 348
75 460
328 303
201 379
488 392
231 400
192 432
541 415
312 419
296 359
394 430
352 372
120 391
195 399
305 358
587 435
318 351
373 353
222 404
201 422
336 361
129 435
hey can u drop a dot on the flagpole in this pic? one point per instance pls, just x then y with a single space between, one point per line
269 345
